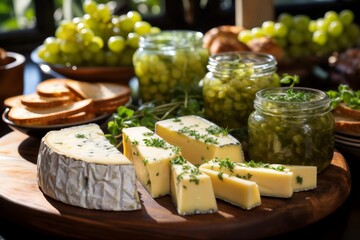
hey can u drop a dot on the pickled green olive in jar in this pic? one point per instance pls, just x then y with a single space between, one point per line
292 126
230 86
167 61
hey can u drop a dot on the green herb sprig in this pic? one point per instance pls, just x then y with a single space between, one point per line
346 95
151 112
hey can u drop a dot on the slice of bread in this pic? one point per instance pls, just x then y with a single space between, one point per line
53 87
346 119
14 101
99 92
31 116
78 117
36 101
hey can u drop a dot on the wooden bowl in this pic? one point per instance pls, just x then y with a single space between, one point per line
120 75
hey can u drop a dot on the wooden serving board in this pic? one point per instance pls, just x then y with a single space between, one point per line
22 201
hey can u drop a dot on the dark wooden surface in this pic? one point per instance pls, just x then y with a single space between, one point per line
22 202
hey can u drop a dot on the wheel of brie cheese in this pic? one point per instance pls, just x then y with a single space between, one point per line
79 166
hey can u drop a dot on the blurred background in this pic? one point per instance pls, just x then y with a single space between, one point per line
24 24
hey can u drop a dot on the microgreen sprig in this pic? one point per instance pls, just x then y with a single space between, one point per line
346 95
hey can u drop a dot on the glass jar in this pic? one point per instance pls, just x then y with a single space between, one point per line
296 132
169 60
230 86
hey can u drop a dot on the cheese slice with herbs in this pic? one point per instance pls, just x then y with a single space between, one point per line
237 191
191 190
79 166
273 180
151 156
199 139
304 177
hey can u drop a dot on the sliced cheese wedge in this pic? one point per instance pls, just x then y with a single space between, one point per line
151 156
237 191
79 166
191 190
273 180
199 139
304 177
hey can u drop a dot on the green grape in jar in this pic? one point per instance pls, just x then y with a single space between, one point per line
230 86
169 60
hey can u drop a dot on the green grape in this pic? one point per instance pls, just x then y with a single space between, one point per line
286 19
62 33
353 33
335 28
312 26
155 30
331 16
346 17
268 28
86 55
126 24
69 46
301 22
52 45
90 22
104 12
134 16
245 36
319 37
282 42
86 35
72 59
295 37
99 58
116 44
257 32
321 24
89 6
111 58
280 29
132 40
142 27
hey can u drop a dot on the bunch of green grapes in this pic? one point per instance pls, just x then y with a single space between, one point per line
302 37
98 38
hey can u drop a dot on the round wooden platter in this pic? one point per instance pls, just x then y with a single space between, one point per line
22 200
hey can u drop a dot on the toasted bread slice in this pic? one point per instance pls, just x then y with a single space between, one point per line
36 101
78 117
99 92
110 106
54 87
346 124
31 116
14 101
343 110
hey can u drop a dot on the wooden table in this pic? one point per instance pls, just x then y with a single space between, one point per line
22 201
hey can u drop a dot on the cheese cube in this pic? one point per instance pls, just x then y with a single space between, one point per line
199 139
191 190
273 180
237 191
304 177
151 156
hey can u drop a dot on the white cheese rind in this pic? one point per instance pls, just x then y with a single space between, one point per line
152 163
192 194
197 143
237 191
272 183
304 177
85 183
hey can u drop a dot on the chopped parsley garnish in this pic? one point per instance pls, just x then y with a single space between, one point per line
299 180
291 95
156 142
80 135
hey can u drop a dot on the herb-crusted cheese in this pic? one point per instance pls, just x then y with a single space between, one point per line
151 156
79 166
199 139
273 180
237 191
191 190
